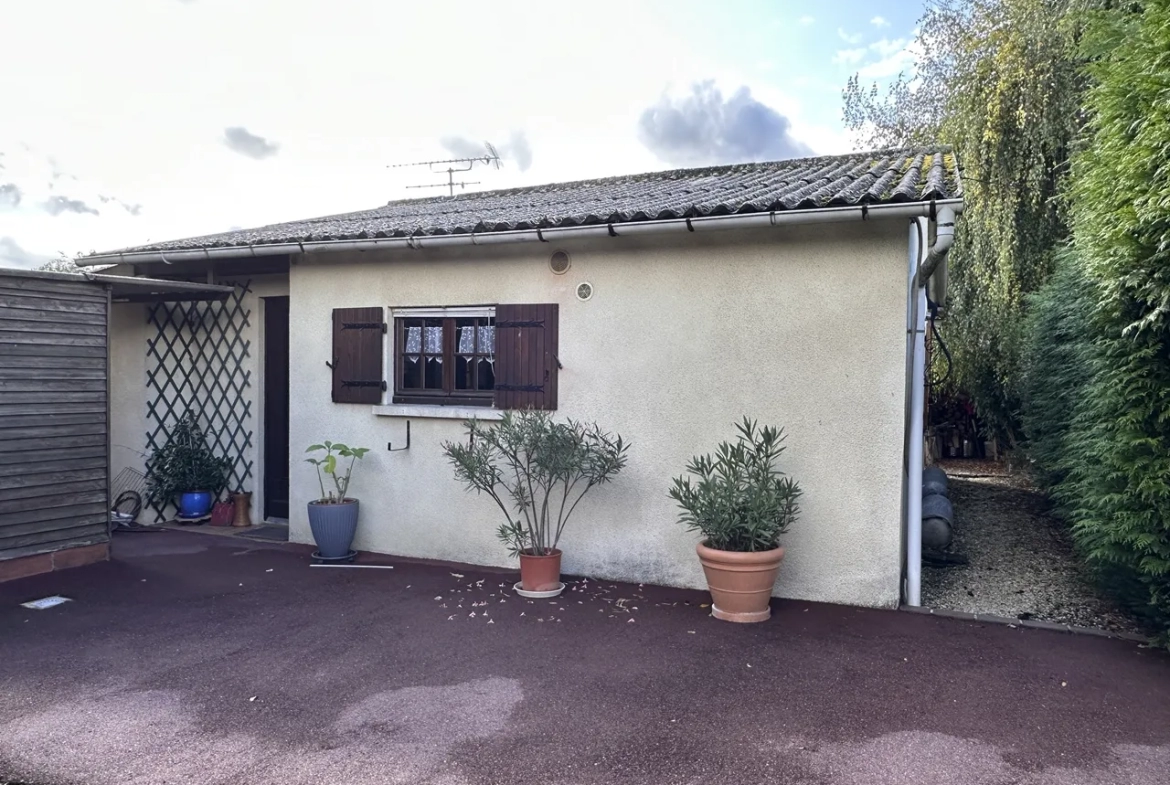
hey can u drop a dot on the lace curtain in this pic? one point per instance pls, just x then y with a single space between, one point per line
434 341
429 340
487 340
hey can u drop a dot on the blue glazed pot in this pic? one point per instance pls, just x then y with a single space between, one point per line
194 504
333 527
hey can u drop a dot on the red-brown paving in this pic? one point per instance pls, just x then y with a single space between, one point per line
198 658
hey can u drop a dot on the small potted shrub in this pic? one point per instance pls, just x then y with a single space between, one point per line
333 517
187 471
537 471
740 503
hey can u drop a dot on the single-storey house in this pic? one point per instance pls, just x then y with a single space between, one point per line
663 306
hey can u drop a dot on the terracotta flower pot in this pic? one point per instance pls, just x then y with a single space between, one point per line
221 514
740 583
540 573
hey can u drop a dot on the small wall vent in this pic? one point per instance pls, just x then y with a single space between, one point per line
584 291
559 262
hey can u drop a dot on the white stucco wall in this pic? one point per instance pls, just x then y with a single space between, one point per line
127 387
129 333
803 328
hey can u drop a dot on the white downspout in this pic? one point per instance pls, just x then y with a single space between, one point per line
919 274
916 347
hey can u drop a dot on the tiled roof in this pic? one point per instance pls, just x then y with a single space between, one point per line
879 177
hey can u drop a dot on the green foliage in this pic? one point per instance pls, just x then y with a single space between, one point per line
999 80
1119 489
741 501
185 463
1057 358
543 469
1097 403
327 465
912 109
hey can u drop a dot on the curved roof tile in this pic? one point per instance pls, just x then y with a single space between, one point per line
882 176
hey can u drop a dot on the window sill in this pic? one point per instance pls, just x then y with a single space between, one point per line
439 412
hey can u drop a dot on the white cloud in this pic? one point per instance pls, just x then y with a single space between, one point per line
12 255
849 57
701 128
897 56
807 20
60 210
850 38
887 48
241 140
879 21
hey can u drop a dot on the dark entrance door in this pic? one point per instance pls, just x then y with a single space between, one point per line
276 461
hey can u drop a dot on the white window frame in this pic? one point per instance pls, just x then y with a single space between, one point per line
390 409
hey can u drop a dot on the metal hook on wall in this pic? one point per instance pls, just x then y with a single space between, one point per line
390 445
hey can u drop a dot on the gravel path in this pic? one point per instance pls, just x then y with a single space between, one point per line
1022 561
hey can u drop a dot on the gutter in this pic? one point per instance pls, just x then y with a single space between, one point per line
421 242
919 273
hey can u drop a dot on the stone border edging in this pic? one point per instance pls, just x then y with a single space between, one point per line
1033 624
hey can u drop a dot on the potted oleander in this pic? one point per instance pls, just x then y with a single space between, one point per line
333 517
536 470
186 472
740 503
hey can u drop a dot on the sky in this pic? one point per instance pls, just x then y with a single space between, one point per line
129 121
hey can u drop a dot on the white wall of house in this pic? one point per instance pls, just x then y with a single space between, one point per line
127 348
802 327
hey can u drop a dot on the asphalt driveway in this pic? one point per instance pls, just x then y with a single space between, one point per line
192 658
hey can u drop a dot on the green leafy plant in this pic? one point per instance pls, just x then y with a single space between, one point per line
185 463
537 471
1000 81
740 501
327 465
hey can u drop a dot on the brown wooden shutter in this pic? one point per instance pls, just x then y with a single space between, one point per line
526 356
357 355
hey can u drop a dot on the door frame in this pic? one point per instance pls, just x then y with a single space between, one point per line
274 379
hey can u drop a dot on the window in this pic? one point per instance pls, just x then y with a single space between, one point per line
501 355
445 356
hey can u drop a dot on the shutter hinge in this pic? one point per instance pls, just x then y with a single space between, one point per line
520 387
363 383
522 323
364 326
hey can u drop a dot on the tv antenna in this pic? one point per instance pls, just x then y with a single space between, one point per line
490 157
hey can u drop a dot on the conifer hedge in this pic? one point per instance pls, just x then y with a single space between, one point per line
1097 400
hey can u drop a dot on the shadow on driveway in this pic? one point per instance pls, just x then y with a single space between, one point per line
192 658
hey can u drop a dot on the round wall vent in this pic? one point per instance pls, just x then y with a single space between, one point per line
559 262
584 291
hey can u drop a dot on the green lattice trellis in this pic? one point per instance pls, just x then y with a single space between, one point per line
196 363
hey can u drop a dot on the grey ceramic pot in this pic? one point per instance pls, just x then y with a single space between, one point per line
333 527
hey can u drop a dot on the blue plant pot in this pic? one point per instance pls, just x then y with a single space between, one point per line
333 527
194 504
